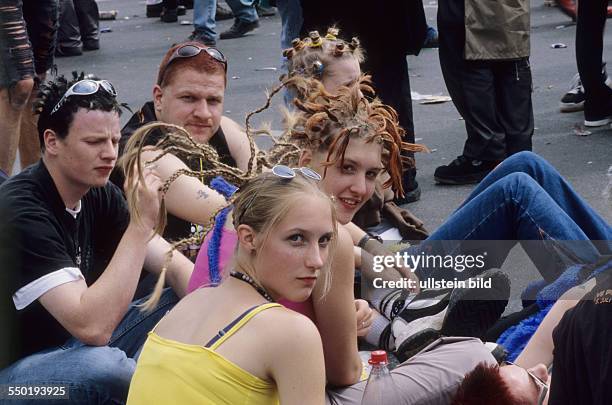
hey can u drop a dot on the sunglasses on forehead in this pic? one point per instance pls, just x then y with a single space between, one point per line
287 172
85 87
191 50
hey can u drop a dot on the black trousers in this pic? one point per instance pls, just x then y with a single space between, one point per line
79 21
492 96
589 48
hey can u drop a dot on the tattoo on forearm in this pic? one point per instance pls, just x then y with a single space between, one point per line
202 194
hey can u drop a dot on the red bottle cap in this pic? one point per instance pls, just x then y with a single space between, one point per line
378 357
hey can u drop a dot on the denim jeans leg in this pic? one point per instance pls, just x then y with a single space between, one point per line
204 12
590 222
513 208
291 17
132 331
246 13
92 375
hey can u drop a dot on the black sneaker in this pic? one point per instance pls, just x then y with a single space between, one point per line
464 170
239 29
472 311
91 44
61 51
200 37
223 13
181 10
573 100
154 10
169 15
265 11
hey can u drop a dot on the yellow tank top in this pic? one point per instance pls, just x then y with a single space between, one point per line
171 372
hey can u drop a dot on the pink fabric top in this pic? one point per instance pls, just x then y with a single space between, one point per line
201 277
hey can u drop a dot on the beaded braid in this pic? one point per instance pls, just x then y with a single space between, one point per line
175 140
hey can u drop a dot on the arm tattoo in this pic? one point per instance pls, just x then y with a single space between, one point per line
202 194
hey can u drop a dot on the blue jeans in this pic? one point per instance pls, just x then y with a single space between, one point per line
523 199
204 12
94 375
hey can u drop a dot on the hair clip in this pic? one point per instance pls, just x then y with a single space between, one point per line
332 33
315 38
288 53
339 50
317 68
297 44
354 44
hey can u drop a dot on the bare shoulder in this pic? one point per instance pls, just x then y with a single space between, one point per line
237 141
280 323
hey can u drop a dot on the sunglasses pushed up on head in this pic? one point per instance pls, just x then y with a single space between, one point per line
85 87
191 50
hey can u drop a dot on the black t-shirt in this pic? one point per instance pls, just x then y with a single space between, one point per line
582 367
176 228
44 238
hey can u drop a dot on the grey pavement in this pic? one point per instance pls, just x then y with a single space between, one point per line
130 54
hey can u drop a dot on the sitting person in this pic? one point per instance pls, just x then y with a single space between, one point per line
573 338
339 318
245 348
77 254
189 92
336 62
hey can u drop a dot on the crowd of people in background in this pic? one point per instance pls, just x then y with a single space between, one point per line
253 259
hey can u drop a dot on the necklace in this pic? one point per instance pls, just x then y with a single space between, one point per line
247 279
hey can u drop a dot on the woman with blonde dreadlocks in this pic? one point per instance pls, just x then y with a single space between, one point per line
283 226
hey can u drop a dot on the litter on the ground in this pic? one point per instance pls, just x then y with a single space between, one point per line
558 45
580 130
266 69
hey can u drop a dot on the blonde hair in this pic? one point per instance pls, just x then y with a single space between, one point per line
311 57
266 200
260 215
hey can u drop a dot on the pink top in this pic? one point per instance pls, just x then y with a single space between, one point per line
201 277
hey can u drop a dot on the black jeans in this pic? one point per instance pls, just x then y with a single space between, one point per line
492 96
589 48
79 21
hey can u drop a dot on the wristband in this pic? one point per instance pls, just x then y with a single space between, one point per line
362 242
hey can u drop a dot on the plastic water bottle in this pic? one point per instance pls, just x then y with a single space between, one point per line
380 389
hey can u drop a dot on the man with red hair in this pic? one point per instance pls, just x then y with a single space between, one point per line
189 92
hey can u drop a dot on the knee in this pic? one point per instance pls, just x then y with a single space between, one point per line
526 162
20 93
106 370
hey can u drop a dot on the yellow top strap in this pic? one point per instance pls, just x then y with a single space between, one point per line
243 320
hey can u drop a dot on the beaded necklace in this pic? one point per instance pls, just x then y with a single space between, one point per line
247 279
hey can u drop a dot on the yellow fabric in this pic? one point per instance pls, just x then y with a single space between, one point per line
170 372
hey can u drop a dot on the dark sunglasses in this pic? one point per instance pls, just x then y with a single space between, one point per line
85 87
287 172
190 50
541 385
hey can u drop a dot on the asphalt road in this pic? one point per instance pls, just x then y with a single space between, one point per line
130 54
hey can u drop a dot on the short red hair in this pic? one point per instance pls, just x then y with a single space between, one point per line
484 385
202 63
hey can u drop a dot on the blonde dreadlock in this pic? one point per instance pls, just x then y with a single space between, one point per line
173 139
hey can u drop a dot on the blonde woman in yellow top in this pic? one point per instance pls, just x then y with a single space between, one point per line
233 344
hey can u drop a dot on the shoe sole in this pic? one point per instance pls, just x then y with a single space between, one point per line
597 123
473 179
415 343
409 197
472 311
238 36
571 107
